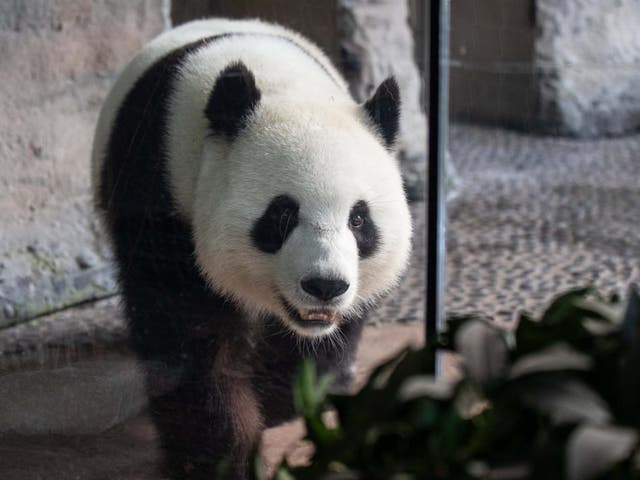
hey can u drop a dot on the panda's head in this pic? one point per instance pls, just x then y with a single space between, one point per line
299 209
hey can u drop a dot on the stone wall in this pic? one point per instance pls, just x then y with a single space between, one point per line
589 54
58 59
567 67
316 19
492 80
376 42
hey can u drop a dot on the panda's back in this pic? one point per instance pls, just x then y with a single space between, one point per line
187 60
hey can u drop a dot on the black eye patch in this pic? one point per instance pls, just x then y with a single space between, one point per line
363 229
274 226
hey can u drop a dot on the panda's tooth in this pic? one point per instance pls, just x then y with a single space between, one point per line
325 315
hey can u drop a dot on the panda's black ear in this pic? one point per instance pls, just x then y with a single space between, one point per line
383 108
234 96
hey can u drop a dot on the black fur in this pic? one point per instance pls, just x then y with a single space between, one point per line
184 333
274 226
383 108
367 235
234 96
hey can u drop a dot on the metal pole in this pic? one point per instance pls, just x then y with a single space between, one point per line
438 123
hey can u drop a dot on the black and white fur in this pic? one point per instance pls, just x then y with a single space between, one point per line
256 213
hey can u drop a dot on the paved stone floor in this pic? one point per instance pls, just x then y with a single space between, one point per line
532 216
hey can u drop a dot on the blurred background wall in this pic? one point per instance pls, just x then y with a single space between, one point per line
58 59
567 67
561 68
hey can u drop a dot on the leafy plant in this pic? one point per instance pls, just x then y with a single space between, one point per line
558 397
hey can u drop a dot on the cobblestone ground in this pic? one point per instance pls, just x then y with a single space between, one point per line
532 216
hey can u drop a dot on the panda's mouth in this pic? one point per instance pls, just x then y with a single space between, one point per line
310 318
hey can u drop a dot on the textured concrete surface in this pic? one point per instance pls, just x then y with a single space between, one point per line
588 52
57 61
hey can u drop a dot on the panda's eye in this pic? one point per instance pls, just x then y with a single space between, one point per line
277 222
363 229
356 220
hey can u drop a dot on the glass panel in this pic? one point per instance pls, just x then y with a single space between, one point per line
545 103
114 337
247 206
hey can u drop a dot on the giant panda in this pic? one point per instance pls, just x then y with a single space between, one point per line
256 213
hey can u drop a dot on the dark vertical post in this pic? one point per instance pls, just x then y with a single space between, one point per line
438 123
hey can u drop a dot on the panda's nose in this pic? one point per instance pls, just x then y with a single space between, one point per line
324 288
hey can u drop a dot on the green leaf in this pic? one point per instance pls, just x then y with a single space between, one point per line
283 474
519 471
531 336
256 470
595 450
419 386
598 310
310 398
310 393
630 365
631 320
556 358
454 323
484 351
536 402
565 303
563 400
381 374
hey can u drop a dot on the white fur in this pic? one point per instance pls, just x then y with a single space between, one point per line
165 43
307 139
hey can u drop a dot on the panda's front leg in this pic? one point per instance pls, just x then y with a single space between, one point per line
281 355
209 423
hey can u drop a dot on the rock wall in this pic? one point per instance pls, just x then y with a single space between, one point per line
58 59
569 67
588 52
315 19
